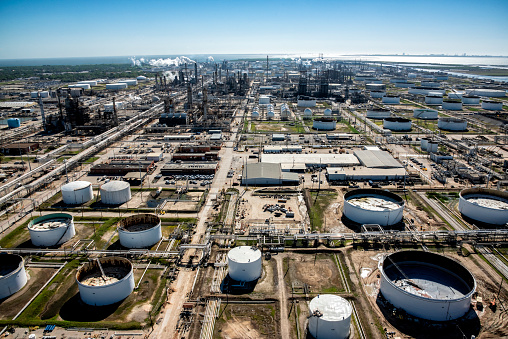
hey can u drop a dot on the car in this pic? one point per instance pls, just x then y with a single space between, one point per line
158 176
167 182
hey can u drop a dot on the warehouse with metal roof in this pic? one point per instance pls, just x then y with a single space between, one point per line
377 159
265 174
315 159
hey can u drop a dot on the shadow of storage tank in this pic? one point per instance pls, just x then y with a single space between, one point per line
139 231
12 274
244 263
52 229
115 285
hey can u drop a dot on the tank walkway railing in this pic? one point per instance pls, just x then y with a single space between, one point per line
40 251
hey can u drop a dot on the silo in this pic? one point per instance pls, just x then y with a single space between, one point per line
484 205
12 274
432 146
77 192
52 229
13 123
115 192
105 281
244 263
139 231
373 206
255 115
492 105
426 285
424 143
330 317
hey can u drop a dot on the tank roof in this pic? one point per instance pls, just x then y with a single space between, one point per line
9 263
115 185
397 119
332 307
75 185
50 221
115 269
486 198
244 254
139 222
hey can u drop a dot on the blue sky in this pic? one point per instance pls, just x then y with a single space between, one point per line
44 29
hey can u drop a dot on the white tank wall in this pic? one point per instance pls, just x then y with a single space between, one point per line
437 310
482 213
270 114
244 263
107 294
424 143
15 280
77 192
397 125
364 216
377 94
433 100
44 94
140 239
115 192
51 236
432 147
131 82
455 95
83 86
492 106
452 106
425 114
330 325
117 86
471 101
375 87
390 100
493 93
452 125
324 125
374 114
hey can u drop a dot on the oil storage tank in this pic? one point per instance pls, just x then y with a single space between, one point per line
12 274
484 205
377 94
492 105
378 113
434 99
470 100
397 124
452 104
391 99
105 281
452 124
244 263
425 113
330 317
77 192
115 192
139 231
324 124
373 206
52 229
426 285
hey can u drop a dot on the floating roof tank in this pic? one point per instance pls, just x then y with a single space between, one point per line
52 229
390 99
105 281
397 124
12 274
425 113
139 231
330 317
492 105
426 285
452 104
77 192
452 124
115 192
324 124
372 206
378 113
484 205
244 263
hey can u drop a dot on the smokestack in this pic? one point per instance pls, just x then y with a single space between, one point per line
205 103
115 114
43 116
196 72
156 82
189 95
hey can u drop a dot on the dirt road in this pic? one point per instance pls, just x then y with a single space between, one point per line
284 322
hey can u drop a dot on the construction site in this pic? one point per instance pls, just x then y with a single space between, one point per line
259 198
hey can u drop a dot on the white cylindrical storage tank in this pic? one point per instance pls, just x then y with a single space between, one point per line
307 113
455 95
425 113
391 100
12 274
430 84
116 86
424 143
244 263
397 124
324 124
432 146
432 286
327 112
372 206
264 100
492 105
377 94
141 78
139 231
452 124
484 205
485 92
115 192
89 82
77 192
378 113
375 87
470 100
13 123
34 94
52 229
44 94
116 284
330 317
130 82
452 105
83 86
434 99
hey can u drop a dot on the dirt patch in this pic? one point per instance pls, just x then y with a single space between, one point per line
37 277
247 321
265 285
318 271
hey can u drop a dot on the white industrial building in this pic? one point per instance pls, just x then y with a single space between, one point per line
282 149
265 174
330 317
77 192
364 173
13 275
376 159
245 263
314 159
51 229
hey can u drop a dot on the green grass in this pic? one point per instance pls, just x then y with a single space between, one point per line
351 128
90 160
319 202
10 239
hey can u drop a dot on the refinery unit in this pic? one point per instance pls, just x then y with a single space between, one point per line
308 198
